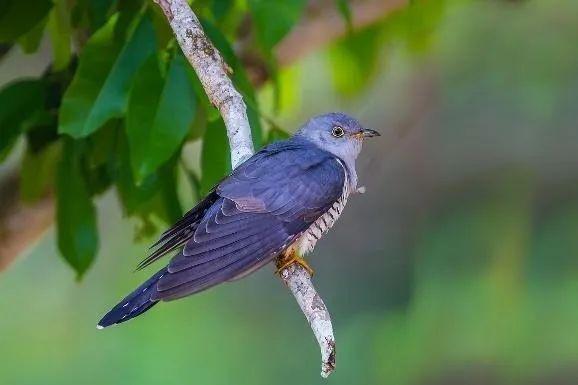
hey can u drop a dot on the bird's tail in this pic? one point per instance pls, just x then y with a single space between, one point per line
133 305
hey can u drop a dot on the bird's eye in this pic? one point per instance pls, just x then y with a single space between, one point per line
337 132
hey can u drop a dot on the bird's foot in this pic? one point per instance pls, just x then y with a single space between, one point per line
287 260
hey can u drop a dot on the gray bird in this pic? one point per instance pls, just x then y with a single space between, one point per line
275 205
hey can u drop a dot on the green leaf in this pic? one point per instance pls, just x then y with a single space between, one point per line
20 105
220 8
274 19
91 14
60 33
354 60
345 10
38 172
18 17
134 197
30 41
76 217
99 90
215 156
160 111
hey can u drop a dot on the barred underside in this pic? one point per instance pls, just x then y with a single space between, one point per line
307 241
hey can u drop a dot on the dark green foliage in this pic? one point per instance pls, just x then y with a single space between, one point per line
30 41
118 100
21 103
160 111
99 90
75 212
215 156
19 17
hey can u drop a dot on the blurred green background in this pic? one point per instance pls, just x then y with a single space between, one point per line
458 266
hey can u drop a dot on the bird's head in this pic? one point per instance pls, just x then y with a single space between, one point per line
337 133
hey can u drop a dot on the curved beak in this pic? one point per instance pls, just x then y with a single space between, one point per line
367 133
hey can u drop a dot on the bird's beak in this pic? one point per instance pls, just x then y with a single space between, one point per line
367 133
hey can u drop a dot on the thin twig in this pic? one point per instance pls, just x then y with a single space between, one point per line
212 72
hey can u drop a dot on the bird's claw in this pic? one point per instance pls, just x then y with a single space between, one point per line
286 261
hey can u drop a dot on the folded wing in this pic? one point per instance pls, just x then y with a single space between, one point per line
257 212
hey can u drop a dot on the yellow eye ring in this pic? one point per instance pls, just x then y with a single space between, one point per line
337 132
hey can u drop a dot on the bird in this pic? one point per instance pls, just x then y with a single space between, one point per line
274 206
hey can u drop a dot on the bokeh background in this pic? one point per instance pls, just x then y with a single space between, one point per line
458 266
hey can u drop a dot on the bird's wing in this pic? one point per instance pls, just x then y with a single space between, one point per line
180 232
262 207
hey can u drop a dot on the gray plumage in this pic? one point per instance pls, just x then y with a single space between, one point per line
286 195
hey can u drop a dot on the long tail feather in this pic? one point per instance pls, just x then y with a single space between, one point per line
133 305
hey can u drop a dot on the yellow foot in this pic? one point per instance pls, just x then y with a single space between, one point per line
287 260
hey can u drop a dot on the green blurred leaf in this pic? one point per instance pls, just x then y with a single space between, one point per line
215 156
20 105
38 172
18 17
354 60
220 8
60 33
170 203
160 111
30 41
76 217
99 90
274 19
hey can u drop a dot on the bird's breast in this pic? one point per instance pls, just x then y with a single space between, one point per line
307 241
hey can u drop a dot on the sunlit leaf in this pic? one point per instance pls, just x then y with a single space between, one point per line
215 156
99 90
38 172
160 111
18 17
354 60
20 105
76 216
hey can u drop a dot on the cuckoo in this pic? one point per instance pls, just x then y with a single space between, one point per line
274 206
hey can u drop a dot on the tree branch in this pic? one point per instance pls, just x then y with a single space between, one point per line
20 224
212 72
287 52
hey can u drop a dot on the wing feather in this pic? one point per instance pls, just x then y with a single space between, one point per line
259 210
